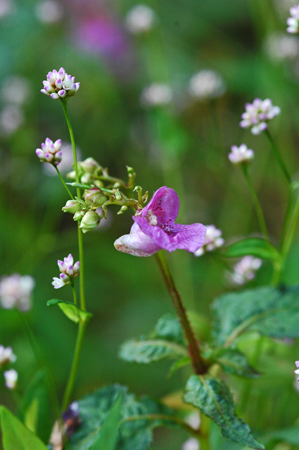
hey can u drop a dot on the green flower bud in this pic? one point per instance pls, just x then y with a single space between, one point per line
122 210
78 215
89 165
72 206
89 221
94 197
86 178
71 175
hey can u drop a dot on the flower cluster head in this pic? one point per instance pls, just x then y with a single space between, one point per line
240 155
69 271
293 21
140 19
258 114
155 229
206 84
213 240
157 94
60 85
245 269
50 152
6 356
11 378
297 370
16 291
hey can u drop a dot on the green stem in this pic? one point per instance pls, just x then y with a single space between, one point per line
289 234
38 353
74 368
74 294
62 181
199 364
278 156
256 202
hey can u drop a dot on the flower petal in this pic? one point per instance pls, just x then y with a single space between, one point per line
164 204
136 243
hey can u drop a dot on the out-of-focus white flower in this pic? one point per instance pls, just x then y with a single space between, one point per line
11 118
157 94
213 240
69 271
16 291
245 269
50 152
193 420
49 11
280 47
240 154
191 444
15 89
11 378
140 19
6 356
258 114
6 7
206 84
66 164
297 370
293 21
60 85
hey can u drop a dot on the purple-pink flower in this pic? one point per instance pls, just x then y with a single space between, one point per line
155 228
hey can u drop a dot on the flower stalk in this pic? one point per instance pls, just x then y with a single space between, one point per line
278 157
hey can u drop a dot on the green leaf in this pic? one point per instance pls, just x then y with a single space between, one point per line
270 311
258 247
72 311
138 418
80 185
34 410
169 328
149 351
178 364
15 436
213 398
108 433
235 362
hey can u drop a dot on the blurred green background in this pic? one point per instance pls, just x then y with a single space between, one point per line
183 145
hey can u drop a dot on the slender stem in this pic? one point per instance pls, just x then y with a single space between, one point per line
278 156
73 373
290 230
256 202
62 181
80 234
199 364
74 294
38 353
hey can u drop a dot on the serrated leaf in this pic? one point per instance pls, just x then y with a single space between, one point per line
235 362
148 351
213 398
178 364
270 311
169 328
34 410
258 247
15 436
72 311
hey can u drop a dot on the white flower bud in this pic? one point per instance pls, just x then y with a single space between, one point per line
11 378
89 221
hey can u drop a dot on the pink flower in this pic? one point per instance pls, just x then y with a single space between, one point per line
155 228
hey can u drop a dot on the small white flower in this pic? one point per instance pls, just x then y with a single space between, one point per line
293 21
191 444
258 114
240 154
157 94
140 19
49 11
16 90
15 292
69 271
245 269
11 118
213 240
60 85
206 84
50 152
6 356
11 378
280 47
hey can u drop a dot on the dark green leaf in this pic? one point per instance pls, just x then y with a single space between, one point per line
72 311
235 362
34 410
213 398
258 247
15 436
272 312
150 351
169 328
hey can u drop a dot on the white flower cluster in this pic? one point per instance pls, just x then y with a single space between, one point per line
68 270
206 84
50 152
140 19
15 292
60 85
11 378
245 269
213 240
157 94
240 154
258 114
6 357
191 444
293 21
